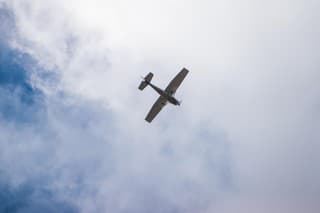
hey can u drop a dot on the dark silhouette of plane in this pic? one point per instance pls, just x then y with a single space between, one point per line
166 95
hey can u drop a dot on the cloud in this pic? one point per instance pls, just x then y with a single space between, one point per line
27 199
77 152
246 133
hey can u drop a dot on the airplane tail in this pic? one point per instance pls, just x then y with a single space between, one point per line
146 81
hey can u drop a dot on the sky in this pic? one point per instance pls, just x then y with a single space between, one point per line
72 132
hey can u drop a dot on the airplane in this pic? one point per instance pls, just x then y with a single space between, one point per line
166 95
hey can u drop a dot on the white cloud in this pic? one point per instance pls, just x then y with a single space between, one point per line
254 77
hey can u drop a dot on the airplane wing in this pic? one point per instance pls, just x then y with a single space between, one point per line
156 108
175 83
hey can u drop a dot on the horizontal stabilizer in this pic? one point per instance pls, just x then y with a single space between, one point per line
145 81
149 77
142 85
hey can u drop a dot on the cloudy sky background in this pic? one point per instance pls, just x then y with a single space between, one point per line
72 131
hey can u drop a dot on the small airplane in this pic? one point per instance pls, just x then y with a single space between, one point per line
166 95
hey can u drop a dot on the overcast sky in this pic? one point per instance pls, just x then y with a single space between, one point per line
72 132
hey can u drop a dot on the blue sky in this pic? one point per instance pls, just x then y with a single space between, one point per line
72 133
21 106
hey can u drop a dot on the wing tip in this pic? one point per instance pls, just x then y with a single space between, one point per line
185 70
149 121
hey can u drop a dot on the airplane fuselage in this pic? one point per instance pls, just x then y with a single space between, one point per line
164 94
